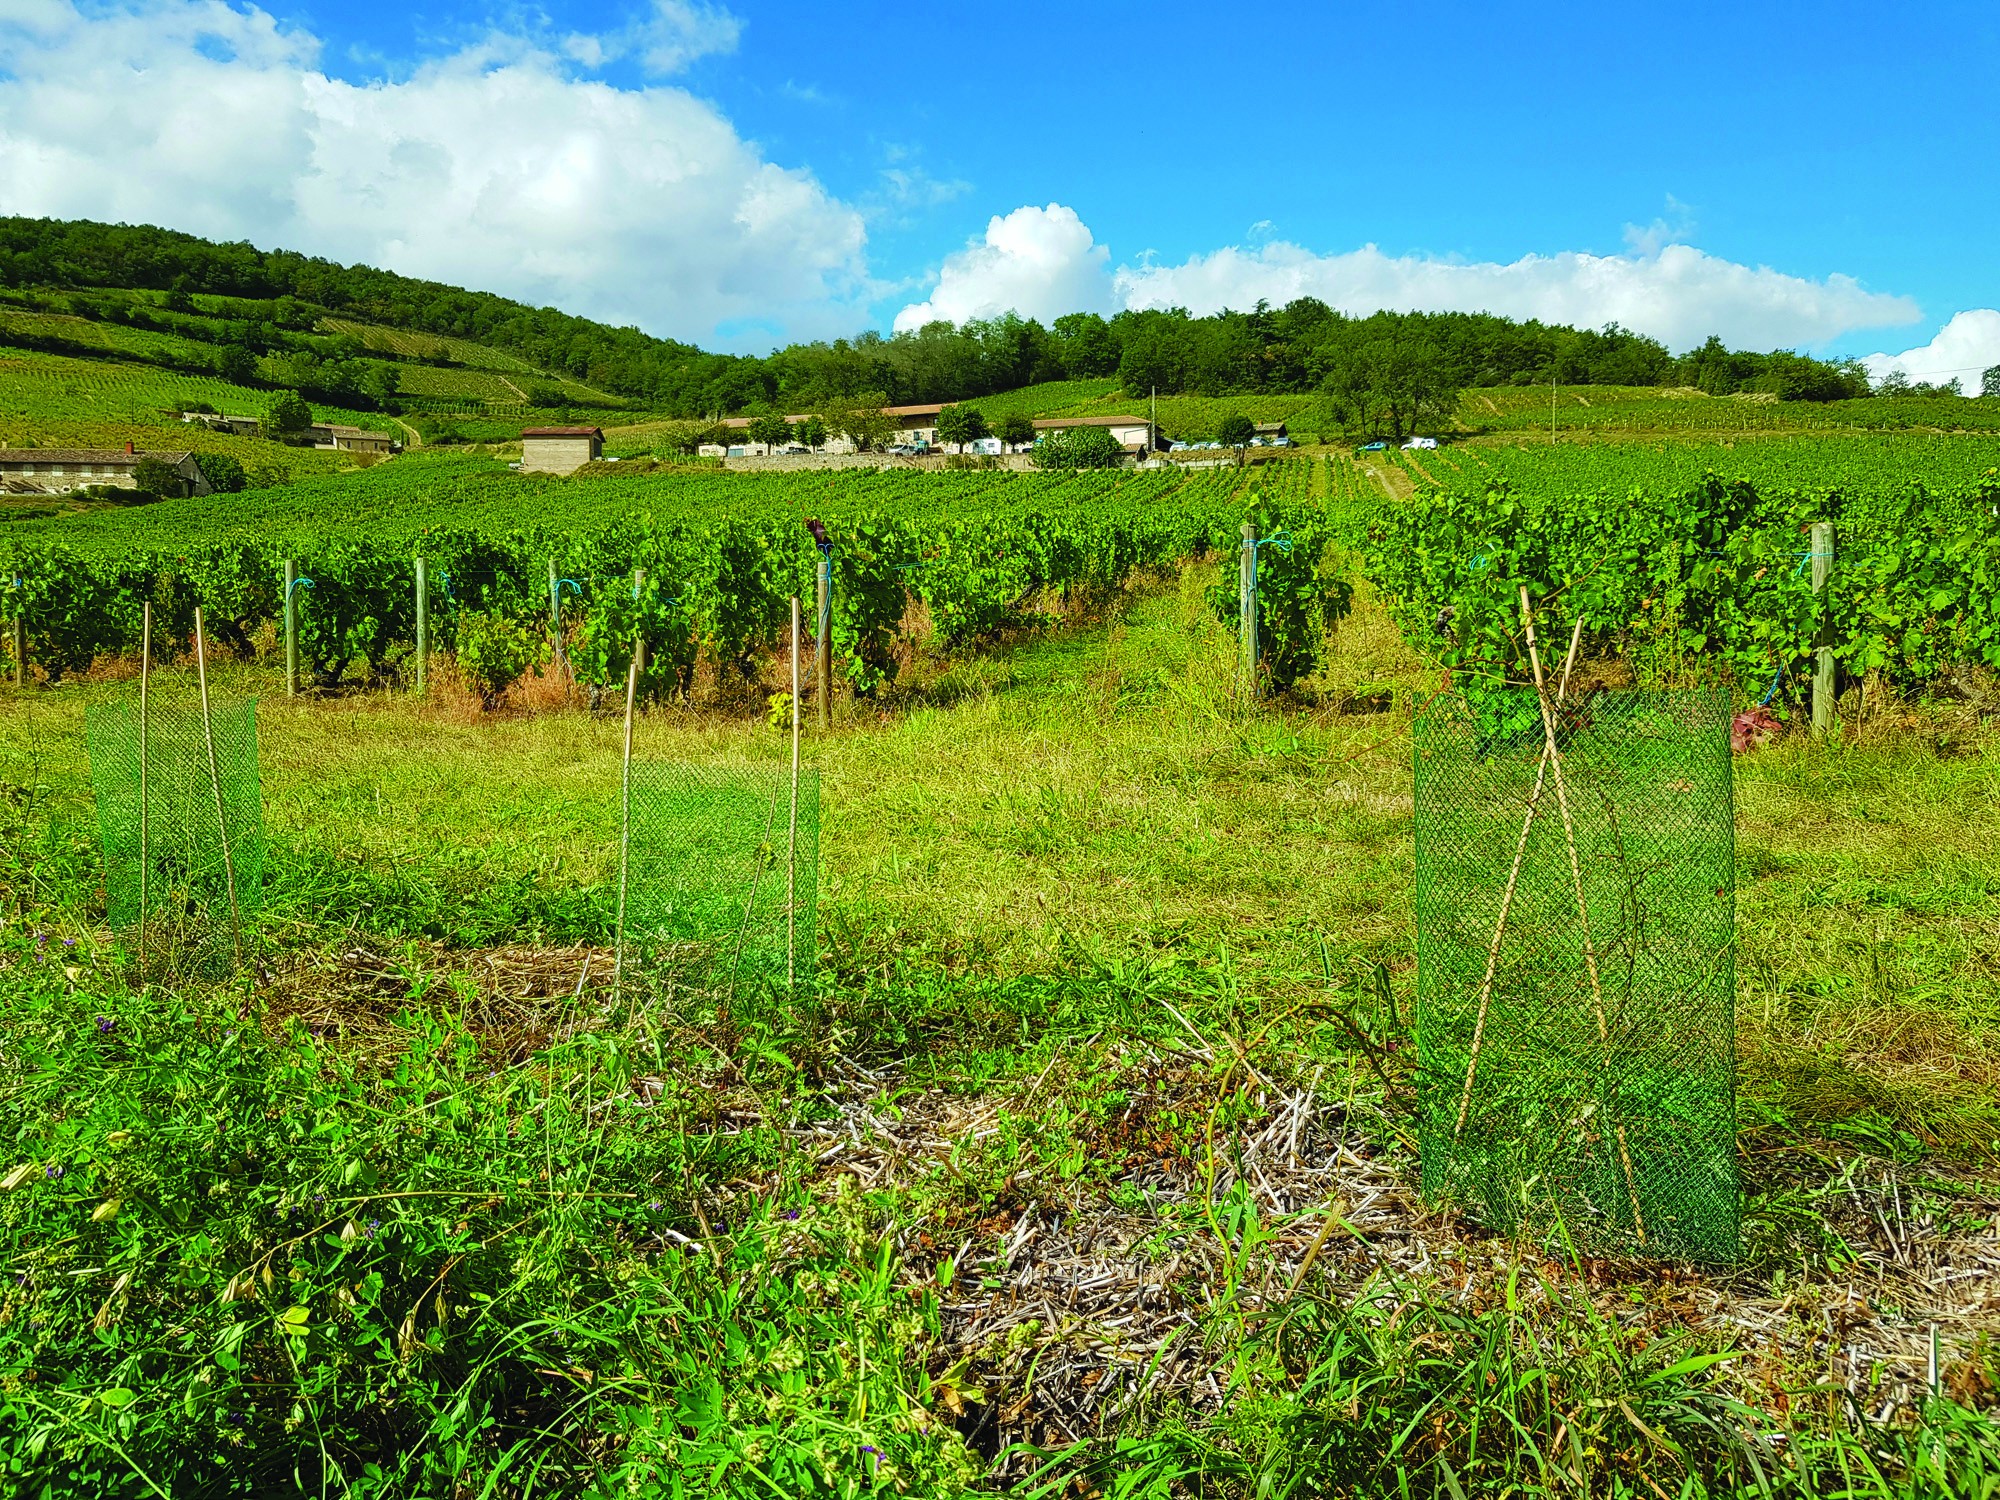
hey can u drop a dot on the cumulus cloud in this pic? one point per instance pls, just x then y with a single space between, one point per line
1964 349
498 167
1038 262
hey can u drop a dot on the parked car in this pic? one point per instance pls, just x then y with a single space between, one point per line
1378 446
1420 442
791 448
904 450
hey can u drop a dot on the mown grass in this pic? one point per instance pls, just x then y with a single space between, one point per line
389 1227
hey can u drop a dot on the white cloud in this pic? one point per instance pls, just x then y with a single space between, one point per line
1964 349
678 32
1038 262
1044 261
1677 294
496 168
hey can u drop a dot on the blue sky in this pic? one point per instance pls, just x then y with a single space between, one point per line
1824 177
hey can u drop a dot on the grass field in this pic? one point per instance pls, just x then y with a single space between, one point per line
1086 1166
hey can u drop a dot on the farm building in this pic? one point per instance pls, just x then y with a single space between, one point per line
55 471
1134 434
349 439
1269 430
218 422
559 450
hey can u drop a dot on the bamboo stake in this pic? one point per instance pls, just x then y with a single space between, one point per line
145 853
215 781
1582 908
1507 901
792 842
625 827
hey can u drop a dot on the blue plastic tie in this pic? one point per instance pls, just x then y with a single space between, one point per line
1804 558
1281 540
1772 691
297 583
571 584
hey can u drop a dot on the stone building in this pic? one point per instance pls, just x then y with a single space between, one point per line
559 450
55 471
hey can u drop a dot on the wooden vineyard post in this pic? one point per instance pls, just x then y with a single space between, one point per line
1246 609
639 637
291 627
1823 672
823 641
423 629
215 781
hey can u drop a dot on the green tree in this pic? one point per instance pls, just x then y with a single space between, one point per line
178 299
812 432
1016 429
1236 430
771 430
236 364
1076 448
287 416
224 474
382 384
1989 381
156 478
861 420
959 425
1895 383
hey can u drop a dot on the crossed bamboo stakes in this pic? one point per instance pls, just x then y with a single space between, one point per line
1548 768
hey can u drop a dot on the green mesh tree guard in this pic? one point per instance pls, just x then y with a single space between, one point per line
709 895
1580 1069
184 873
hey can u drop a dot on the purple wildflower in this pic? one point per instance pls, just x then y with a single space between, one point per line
52 1173
69 942
791 1213
106 1025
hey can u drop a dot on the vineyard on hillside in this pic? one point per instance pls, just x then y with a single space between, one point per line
698 562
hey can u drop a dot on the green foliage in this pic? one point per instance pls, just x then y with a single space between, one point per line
1235 431
1705 575
1015 428
361 602
812 431
494 653
156 478
73 612
773 431
1302 591
224 474
287 415
1076 448
959 425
